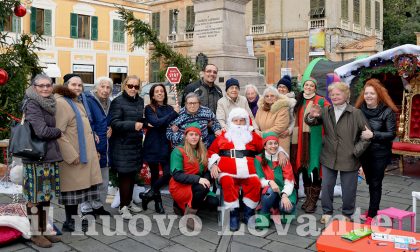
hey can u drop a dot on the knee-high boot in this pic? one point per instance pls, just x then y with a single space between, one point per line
315 190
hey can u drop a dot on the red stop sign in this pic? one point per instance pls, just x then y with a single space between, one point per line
173 75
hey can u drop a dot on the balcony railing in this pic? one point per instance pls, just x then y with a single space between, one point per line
118 47
356 28
345 24
139 50
172 38
189 36
48 42
317 23
368 31
258 29
83 44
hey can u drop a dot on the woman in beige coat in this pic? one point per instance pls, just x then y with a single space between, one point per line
80 174
273 115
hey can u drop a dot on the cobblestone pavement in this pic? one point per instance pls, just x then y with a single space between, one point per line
134 236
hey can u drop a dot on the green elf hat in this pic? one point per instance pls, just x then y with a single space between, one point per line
195 127
310 79
269 136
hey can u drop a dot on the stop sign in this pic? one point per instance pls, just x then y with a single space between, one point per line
173 75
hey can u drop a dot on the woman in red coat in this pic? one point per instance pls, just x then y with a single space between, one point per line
190 180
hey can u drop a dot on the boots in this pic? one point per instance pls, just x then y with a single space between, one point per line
190 221
158 203
234 220
146 198
262 221
177 209
314 196
36 226
307 190
248 213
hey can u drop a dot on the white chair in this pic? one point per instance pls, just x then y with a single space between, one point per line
416 196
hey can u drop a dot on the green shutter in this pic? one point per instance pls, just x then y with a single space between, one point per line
254 12
262 12
47 22
33 20
73 26
94 28
115 33
122 37
171 14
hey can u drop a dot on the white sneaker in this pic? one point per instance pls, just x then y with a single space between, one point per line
125 213
134 208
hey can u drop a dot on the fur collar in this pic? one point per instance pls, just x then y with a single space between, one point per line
64 91
282 102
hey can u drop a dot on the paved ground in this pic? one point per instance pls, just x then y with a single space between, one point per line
396 193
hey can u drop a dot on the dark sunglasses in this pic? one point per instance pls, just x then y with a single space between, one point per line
130 86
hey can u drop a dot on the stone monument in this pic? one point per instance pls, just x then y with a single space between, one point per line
219 33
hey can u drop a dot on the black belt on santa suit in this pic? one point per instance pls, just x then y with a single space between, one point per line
237 153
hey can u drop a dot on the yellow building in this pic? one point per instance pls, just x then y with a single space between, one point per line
85 37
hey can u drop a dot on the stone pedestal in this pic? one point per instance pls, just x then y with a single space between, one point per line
219 33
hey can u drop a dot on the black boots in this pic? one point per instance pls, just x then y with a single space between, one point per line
149 196
234 220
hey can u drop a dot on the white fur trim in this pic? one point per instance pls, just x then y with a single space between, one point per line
249 203
242 170
264 182
214 159
288 187
231 205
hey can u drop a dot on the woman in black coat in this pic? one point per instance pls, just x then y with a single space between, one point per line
158 116
41 180
378 109
126 113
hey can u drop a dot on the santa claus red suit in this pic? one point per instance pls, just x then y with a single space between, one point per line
233 152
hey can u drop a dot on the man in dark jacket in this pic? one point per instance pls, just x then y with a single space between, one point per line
208 92
98 101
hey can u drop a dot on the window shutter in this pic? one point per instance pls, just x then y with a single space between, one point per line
291 51
254 12
115 33
262 12
158 22
15 22
73 25
121 29
171 13
283 49
94 28
47 22
33 20
344 9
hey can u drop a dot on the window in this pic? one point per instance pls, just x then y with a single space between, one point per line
10 23
190 19
317 9
156 22
377 16
261 65
258 12
368 16
154 71
83 27
356 11
345 9
118 31
288 49
41 21
173 16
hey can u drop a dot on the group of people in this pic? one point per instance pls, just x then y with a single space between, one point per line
253 147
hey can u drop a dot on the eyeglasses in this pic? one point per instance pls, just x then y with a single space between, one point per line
44 86
211 71
130 86
192 103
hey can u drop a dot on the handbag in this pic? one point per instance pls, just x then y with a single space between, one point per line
25 144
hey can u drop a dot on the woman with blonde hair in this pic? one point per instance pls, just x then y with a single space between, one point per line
190 180
379 110
126 116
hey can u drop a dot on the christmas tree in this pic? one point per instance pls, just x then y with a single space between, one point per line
18 64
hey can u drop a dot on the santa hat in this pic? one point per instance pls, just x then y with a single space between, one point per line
269 136
195 127
238 113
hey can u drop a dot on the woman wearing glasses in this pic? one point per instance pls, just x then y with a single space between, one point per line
126 113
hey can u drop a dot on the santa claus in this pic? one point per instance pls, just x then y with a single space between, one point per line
231 161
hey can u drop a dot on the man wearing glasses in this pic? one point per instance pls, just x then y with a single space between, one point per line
208 92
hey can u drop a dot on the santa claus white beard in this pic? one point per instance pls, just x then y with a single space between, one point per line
239 135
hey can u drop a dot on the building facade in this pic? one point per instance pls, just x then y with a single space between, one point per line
285 35
85 37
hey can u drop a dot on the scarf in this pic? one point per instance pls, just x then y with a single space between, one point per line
47 103
80 131
82 98
338 111
308 96
372 113
254 105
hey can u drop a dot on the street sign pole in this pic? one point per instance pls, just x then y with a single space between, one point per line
174 77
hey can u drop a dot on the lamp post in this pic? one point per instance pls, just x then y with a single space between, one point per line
174 19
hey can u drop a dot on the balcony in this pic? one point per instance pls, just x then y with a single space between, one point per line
172 38
317 23
83 44
368 31
258 29
357 28
118 47
189 36
139 50
48 42
345 24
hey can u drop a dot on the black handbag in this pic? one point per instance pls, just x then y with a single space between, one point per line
25 144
